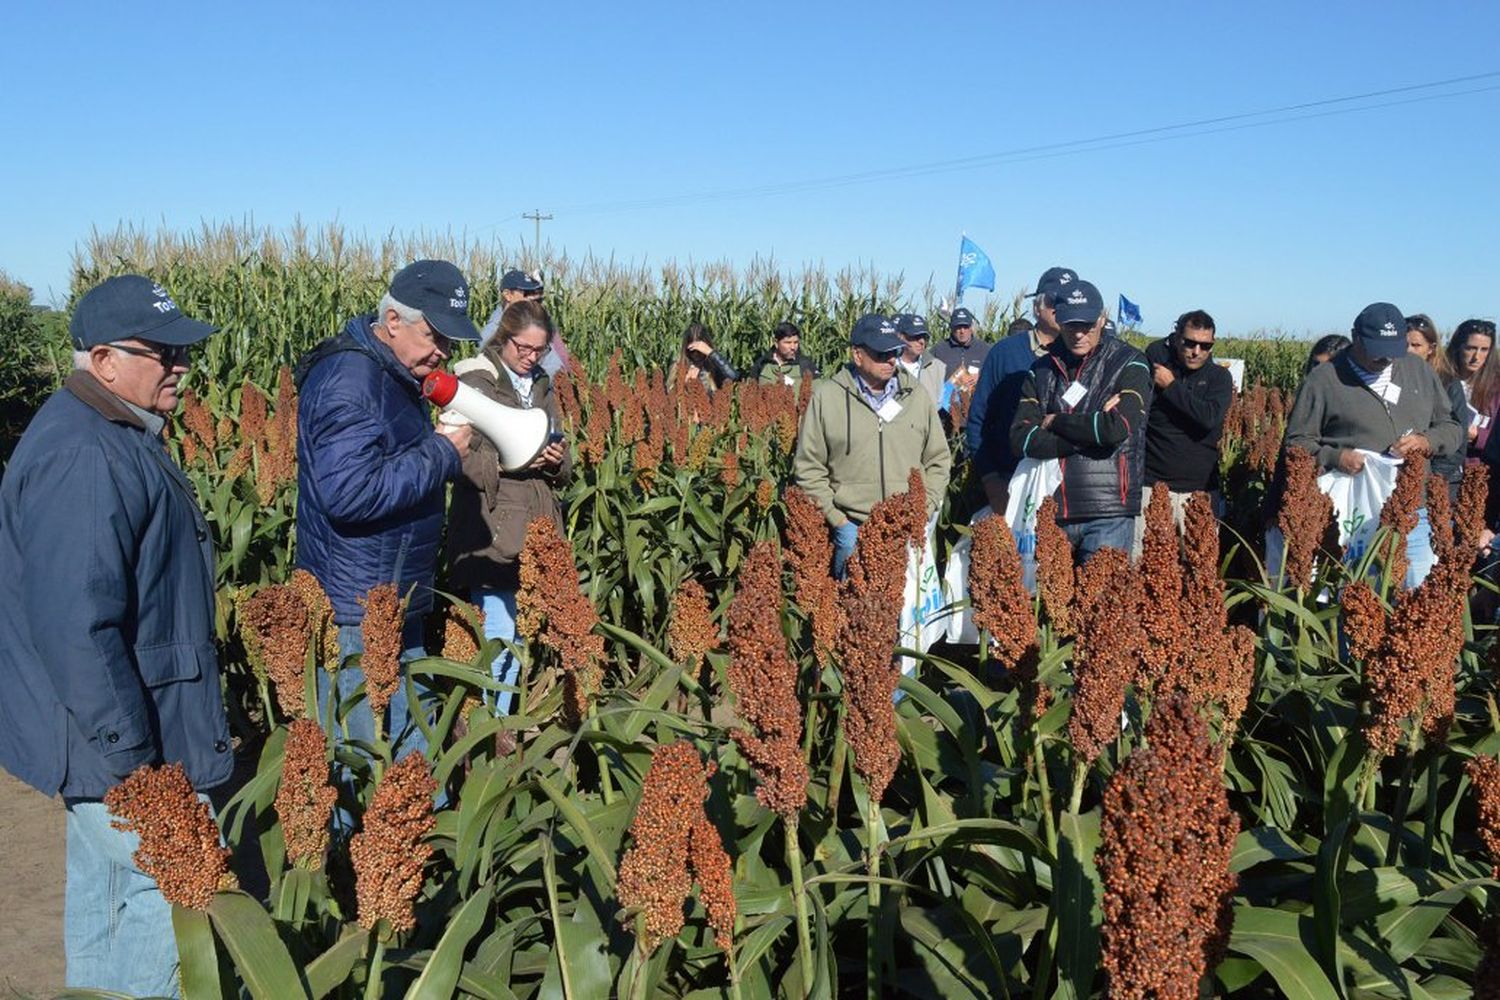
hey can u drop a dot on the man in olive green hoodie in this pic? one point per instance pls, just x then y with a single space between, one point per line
865 429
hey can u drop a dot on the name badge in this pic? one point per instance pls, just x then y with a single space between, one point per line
1480 421
1074 395
889 410
973 369
786 379
1392 394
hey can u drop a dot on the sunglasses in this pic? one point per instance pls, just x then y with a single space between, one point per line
166 355
1206 346
883 355
1418 323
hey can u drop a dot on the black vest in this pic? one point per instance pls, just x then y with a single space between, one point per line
1097 482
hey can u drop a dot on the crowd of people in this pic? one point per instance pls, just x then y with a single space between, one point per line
107 613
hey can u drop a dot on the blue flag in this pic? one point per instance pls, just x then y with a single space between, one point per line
1129 313
974 268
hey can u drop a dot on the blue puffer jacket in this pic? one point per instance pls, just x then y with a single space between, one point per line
370 474
107 655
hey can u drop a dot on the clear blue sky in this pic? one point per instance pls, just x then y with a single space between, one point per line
461 116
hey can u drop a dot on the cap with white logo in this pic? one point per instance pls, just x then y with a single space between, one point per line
439 290
132 306
1053 280
1078 302
1380 328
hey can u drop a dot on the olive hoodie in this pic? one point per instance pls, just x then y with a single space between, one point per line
848 459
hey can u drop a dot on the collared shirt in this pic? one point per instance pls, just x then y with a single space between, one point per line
875 400
1377 381
154 421
1037 347
522 384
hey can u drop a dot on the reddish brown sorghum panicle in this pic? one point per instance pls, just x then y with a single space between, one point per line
239 462
1440 519
273 624
304 800
880 554
1166 839
553 610
461 638
389 853
252 412
715 876
1364 619
197 419
765 495
729 469
596 430
655 874
1161 584
1484 772
1054 568
381 659
189 450
809 550
1468 513
319 615
566 394
1002 607
1305 515
179 843
691 633
763 678
1108 653
1400 514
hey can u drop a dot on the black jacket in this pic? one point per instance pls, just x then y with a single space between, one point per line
1099 451
1186 421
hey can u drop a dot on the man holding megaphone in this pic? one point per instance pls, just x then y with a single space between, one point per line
510 477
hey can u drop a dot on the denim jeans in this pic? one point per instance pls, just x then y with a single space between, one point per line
117 927
1088 537
402 732
844 537
1419 557
499 607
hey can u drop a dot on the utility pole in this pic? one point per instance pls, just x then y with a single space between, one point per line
535 215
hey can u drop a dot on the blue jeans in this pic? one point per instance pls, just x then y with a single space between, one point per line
1419 557
1088 537
402 732
499 607
844 537
117 927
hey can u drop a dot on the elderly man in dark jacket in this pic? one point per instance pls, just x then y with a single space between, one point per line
371 469
107 658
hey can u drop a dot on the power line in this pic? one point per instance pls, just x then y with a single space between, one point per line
1072 147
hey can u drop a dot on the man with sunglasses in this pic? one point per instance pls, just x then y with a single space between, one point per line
865 429
372 472
107 657
1187 413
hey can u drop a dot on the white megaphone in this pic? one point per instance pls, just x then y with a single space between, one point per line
519 435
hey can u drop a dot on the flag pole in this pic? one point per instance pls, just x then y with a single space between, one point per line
958 278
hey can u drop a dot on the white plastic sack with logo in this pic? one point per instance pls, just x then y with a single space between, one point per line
961 629
1357 500
1034 481
922 601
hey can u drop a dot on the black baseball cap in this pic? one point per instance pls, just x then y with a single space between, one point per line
516 280
132 306
912 325
1080 303
1053 280
1380 328
439 290
960 317
876 333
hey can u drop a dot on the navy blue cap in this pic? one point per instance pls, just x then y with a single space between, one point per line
960 317
132 306
439 290
1380 329
1053 280
876 333
911 325
516 280
1079 303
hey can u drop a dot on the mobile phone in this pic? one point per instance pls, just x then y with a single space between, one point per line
555 437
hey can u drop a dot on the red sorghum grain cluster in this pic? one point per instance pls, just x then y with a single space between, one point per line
594 444
1002 607
1468 513
553 610
322 630
276 447
691 633
657 871
1161 587
273 625
199 423
252 412
385 615
1054 568
461 641
1305 515
1484 772
763 678
304 800
809 550
179 843
389 852
765 495
1400 514
1108 652
1166 838
729 469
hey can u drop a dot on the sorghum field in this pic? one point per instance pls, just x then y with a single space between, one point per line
1175 778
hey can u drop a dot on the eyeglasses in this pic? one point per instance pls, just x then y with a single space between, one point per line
1206 346
166 355
530 352
883 355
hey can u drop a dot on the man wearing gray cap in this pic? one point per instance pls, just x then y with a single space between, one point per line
1084 404
865 429
1376 397
107 658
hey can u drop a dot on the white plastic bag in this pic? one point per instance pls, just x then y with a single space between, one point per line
1034 481
1357 500
922 600
960 622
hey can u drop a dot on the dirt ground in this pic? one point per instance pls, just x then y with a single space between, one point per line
31 870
